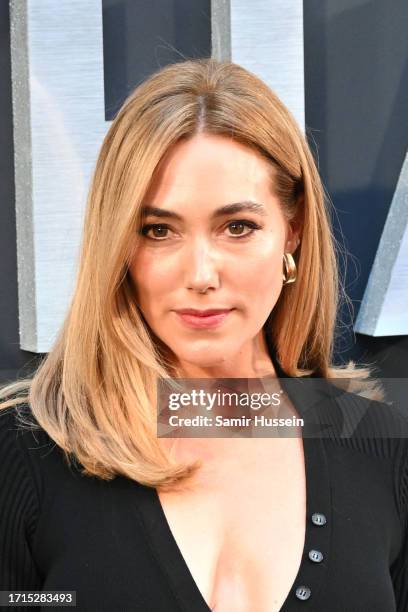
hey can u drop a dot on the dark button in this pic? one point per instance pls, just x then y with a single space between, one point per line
318 519
303 592
315 555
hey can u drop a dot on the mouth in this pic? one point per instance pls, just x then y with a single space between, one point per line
203 319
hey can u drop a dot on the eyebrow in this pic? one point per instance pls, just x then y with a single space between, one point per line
228 209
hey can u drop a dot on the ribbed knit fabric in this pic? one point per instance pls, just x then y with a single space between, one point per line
109 541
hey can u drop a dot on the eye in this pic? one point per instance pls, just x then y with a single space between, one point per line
243 223
160 228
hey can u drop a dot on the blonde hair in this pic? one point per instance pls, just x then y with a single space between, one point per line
95 391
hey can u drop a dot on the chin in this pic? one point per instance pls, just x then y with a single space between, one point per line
205 356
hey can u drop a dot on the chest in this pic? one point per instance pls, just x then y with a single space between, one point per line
237 540
242 532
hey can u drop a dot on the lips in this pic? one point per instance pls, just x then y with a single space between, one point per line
203 319
203 313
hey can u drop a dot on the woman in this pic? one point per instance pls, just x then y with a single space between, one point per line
205 196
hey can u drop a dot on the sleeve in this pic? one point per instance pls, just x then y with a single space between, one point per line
19 508
399 570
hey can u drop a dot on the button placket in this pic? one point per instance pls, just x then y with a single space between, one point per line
318 519
312 570
303 592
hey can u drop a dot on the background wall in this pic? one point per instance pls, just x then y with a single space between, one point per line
13 361
356 101
356 90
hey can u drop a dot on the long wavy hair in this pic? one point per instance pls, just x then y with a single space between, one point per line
95 391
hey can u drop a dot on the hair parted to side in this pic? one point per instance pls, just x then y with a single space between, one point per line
95 392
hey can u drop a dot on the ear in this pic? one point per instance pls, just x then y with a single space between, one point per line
294 227
293 236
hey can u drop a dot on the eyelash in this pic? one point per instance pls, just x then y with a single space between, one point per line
251 224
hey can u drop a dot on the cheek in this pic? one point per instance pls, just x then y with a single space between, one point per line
262 268
151 278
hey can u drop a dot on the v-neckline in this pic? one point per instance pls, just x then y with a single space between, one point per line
317 536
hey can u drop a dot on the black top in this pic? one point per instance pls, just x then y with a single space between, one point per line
111 543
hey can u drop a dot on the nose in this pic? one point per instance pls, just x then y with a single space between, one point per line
201 266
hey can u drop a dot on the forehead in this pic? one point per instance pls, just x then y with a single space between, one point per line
211 170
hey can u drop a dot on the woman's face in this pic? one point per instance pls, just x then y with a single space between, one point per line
209 258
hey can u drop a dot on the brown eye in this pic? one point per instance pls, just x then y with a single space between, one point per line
234 226
159 230
239 225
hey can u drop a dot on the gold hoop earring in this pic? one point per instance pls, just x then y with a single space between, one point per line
290 272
